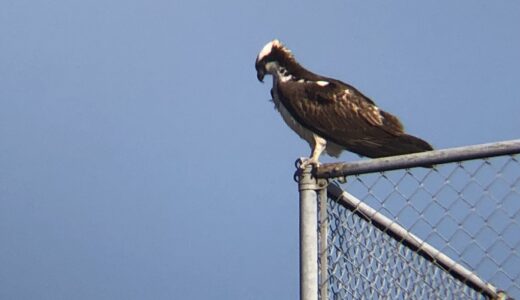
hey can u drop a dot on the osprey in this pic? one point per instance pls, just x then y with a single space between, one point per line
329 114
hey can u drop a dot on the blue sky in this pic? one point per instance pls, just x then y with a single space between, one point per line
141 159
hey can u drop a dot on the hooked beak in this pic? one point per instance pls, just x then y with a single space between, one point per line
260 74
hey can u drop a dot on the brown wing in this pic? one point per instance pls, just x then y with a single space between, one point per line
340 113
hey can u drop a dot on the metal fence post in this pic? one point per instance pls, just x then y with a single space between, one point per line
324 233
308 188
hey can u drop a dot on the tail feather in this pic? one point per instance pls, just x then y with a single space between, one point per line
390 146
406 144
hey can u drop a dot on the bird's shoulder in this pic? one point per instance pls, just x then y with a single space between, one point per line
327 90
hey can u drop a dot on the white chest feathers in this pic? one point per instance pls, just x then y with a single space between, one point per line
303 132
331 148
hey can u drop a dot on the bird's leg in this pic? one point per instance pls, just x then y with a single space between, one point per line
318 146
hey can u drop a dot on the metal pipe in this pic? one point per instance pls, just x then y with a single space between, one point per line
324 250
308 236
422 159
408 239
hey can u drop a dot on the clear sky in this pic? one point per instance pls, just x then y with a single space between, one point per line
141 159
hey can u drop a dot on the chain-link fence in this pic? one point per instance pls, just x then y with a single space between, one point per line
395 230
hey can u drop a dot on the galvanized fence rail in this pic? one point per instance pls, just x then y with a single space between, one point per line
443 224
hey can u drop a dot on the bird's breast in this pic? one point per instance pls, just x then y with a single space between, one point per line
331 148
303 132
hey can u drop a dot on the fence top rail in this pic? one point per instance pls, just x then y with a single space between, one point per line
342 169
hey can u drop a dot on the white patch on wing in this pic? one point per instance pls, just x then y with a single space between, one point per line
370 112
374 115
322 83
352 106
345 94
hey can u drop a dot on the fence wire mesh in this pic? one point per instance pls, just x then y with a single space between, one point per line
468 210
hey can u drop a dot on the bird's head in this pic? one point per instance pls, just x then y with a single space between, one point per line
271 57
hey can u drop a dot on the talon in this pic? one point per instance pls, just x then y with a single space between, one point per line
305 162
299 162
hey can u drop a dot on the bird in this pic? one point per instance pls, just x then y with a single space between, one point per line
331 115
